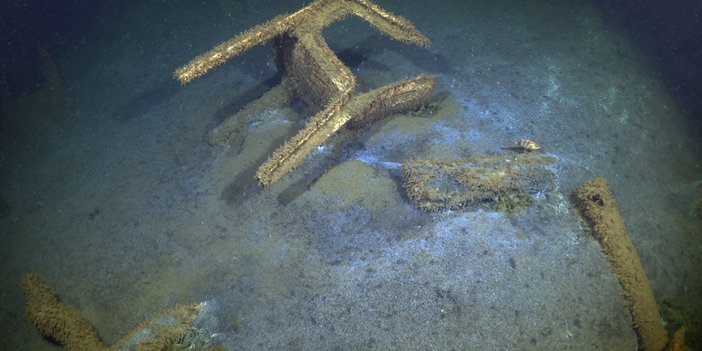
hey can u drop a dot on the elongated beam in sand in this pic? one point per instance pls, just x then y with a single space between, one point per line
601 211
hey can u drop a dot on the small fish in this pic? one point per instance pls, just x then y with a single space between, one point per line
524 145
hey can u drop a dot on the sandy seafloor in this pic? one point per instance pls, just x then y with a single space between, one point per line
120 203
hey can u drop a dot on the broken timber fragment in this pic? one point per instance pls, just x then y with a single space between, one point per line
435 185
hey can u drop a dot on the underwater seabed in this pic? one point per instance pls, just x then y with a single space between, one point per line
126 211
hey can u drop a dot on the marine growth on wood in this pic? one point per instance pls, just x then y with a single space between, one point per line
66 326
317 76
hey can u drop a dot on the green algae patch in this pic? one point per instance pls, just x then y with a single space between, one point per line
355 182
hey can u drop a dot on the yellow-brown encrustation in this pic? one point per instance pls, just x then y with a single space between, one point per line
315 74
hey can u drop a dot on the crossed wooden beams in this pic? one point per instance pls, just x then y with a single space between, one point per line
315 74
